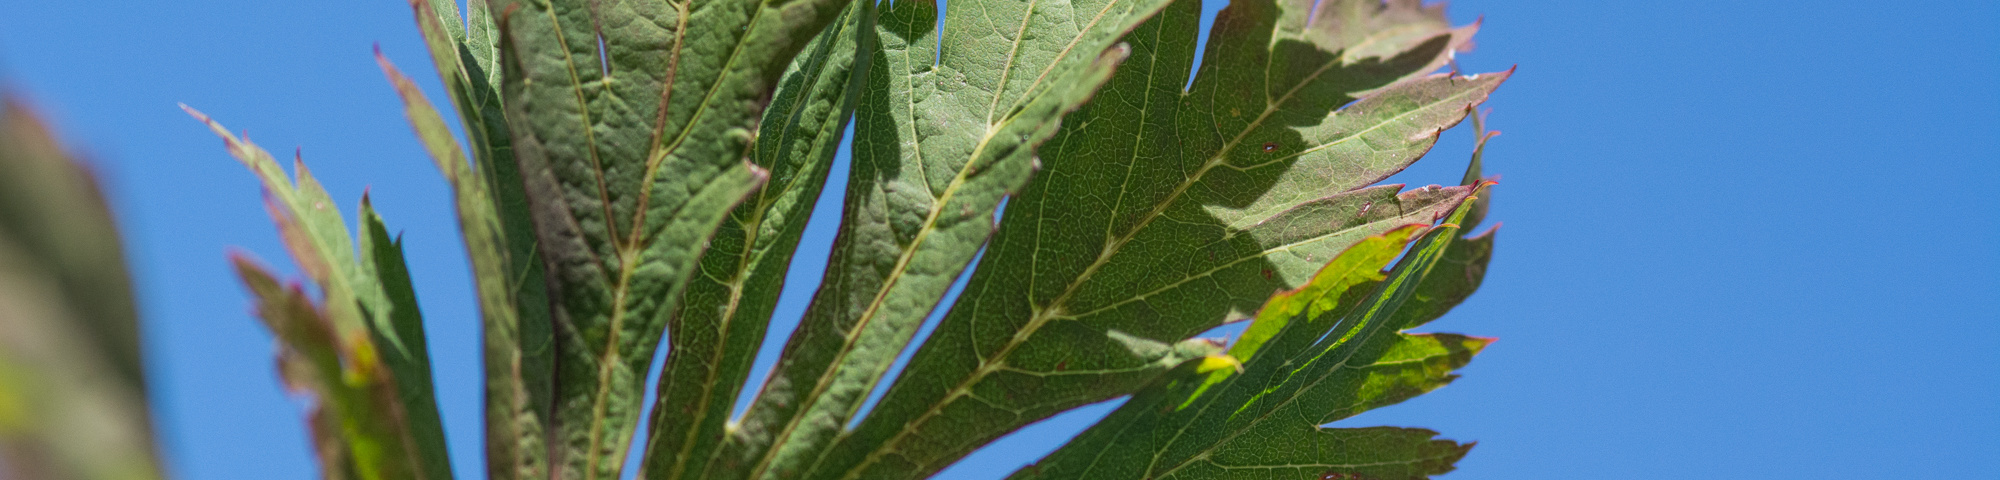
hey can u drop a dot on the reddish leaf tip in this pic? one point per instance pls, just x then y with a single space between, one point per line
238 255
1476 345
388 68
1488 233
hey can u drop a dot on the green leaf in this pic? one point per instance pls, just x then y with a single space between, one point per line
1463 266
72 387
1328 355
1360 265
404 350
632 123
360 426
942 136
1163 212
353 431
498 233
379 379
1474 172
716 332
1451 282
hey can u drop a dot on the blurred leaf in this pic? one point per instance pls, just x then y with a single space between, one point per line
72 388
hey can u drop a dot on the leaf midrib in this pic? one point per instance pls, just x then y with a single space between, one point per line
847 344
1374 324
867 316
746 260
1184 280
923 234
627 252
604 196
1198 174
589 134
1020 33
659 156
1044 315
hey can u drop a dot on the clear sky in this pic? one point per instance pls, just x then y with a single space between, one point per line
1743 239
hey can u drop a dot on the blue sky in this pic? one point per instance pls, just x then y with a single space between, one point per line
1742 239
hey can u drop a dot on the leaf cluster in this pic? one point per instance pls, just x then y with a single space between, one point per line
637 174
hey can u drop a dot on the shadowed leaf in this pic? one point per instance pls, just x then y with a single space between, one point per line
946 128
498 233
1162 212
632 123
1324 352
722 321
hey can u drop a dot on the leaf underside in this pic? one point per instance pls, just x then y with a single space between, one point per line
498 231
941 138
631 123
1159 212
729 302
641 169
1326 351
